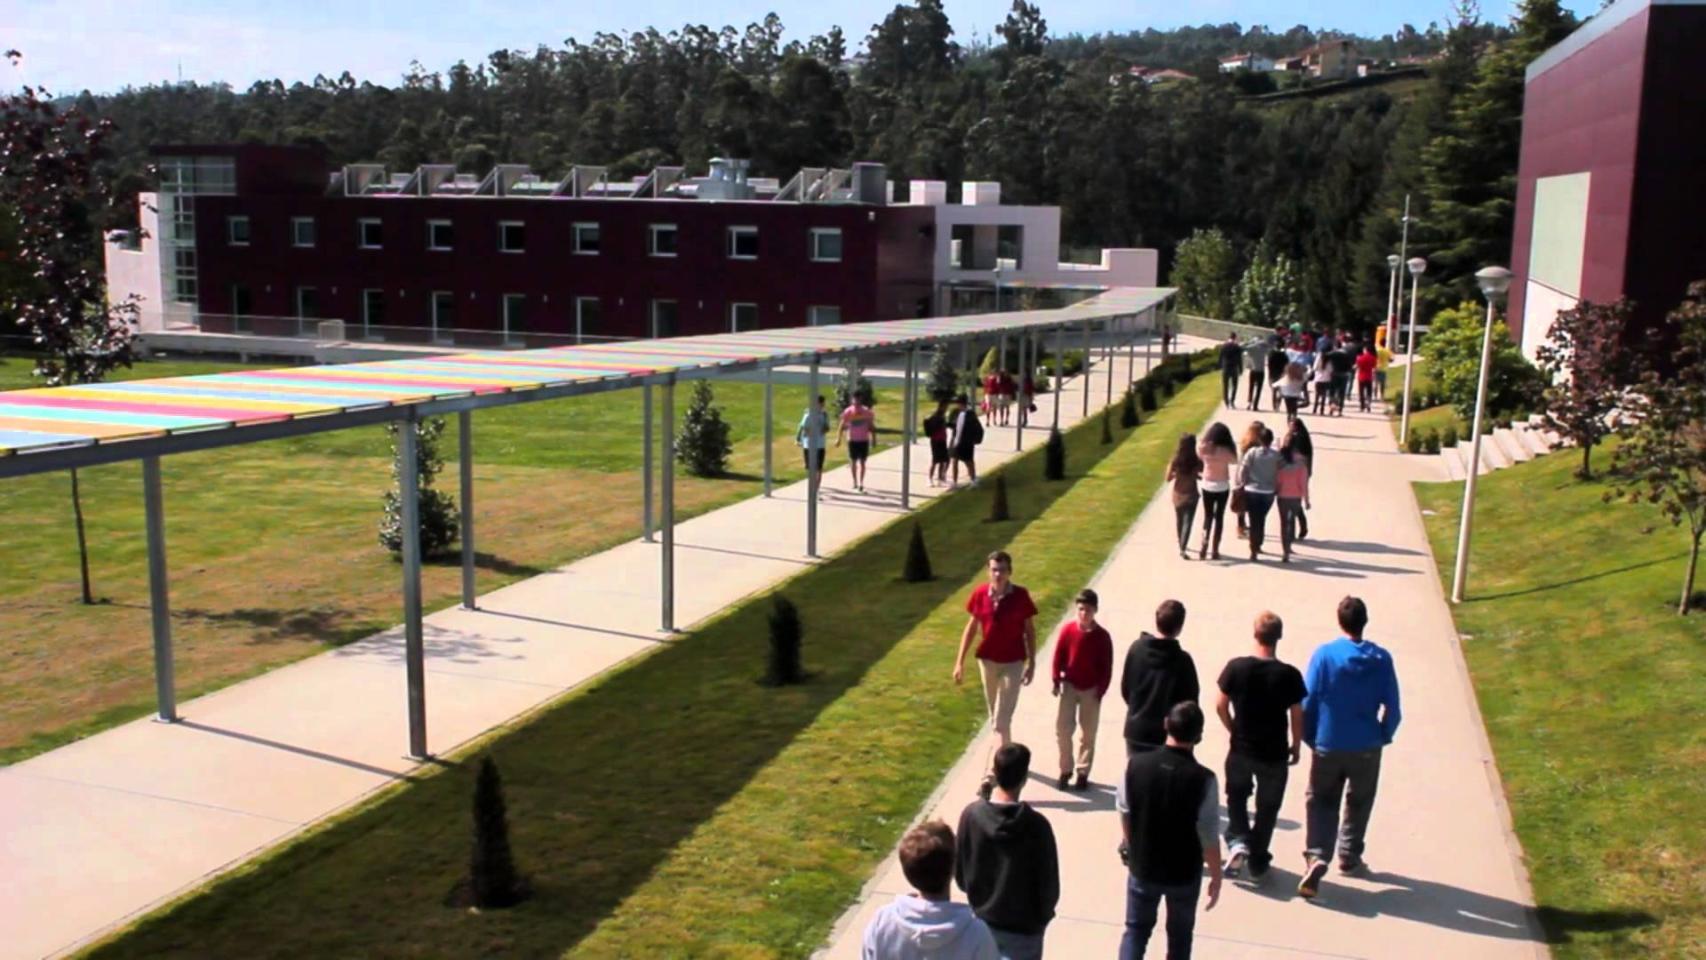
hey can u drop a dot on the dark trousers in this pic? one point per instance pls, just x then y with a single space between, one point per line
1229 386
1244 776
1143 907
1365 395
1214 516
1323 393
1350 775
1254 396
1185 515
1257 505
1291 405
1291 514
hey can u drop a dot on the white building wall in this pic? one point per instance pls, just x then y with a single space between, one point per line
1039 258
138 271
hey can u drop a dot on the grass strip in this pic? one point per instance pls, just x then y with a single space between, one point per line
676 807
1590 687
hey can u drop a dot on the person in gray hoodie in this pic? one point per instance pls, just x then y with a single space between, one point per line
926 925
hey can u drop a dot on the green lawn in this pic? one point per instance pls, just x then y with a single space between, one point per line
1591 689
677 808
1422 419
273 549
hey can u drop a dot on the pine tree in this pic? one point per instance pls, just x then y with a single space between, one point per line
1204 269
1267 295
1107 426
1128 409
917 569
1146 392
703 445
439 517
785 635
998 509
1054 456
492 878
943 381
851 383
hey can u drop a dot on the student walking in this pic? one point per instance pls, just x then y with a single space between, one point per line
859 426
925 924
1218 453
1183 472
1231 357
936 428
1158 673
1297 435
1323 385
1000 612
1169 816
1349 716
1278 360
1382 362
1343 362
1251 439
1257 474
1294 388
1291 492
1366 362
1261 699
1007 862
1083 668
1256 362
968 433
811 435
1004 401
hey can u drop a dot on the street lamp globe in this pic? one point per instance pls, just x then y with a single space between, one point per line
1495 282
1392 260
1417 266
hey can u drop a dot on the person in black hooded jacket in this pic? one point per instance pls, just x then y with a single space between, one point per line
1007 862
1158 673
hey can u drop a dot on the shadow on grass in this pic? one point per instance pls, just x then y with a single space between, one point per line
604 786
332 626
1561 926
1576 581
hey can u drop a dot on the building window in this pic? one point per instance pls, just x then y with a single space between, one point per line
743 243
183 276
660 240
307 303
441 235
371 233
664 314
589 313
823 316
237 231
443 314
302 231
586 238
372 311
743 317
826 244
512 236
515 316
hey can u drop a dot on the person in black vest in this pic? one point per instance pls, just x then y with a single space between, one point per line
1231 357
1007 863
1169 806
1157 674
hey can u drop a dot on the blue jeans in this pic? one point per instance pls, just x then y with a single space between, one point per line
1018 946
1143 905
1256 507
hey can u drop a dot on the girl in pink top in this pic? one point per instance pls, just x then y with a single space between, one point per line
1218 453
1291 487
859 426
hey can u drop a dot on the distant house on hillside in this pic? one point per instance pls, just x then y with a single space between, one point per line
1327 60
1254 62
1150 75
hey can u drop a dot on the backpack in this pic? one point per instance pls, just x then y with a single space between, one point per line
973 431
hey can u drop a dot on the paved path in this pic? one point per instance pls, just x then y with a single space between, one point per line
100 830
1445 881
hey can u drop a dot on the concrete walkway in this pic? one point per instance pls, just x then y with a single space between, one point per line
101 830
1446 880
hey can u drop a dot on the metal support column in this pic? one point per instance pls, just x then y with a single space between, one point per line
1024 411
1059 349
1108 360
667 518
165 688
646 468
814 446
1085 412
769 428
909 406
414 646
1131 347
465 448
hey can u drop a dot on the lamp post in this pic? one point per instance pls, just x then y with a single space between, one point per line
1495 282
1392 262
1416 265
1403 252
998 287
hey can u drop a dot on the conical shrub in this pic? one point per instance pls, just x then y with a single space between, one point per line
492 878
998 510
1146 393
1107 427
1128 410
917 569
1054 456
785 635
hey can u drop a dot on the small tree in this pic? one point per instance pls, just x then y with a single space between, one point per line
439 517
1267 295
1107 426
703 445
1588 368
785 634
998 509
943 381
1054 456
851 383
992 361
1128 409
1205 267
1146 392
1453 352
917 569
1662 459
492 878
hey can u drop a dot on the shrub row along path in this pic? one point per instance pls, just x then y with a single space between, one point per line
103 829
1445 874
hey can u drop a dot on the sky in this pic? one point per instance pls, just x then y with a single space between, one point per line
104 45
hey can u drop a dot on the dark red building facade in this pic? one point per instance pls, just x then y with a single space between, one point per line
1610 195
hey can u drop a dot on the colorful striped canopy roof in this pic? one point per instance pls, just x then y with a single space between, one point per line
41 420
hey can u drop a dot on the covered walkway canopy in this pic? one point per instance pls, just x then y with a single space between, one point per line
61 428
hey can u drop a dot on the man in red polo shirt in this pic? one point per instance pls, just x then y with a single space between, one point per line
1001 611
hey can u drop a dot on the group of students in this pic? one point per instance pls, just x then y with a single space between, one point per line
1299 365
1344 707
953 430
1002 392
1251 476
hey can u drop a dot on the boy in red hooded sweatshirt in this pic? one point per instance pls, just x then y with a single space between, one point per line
1083 668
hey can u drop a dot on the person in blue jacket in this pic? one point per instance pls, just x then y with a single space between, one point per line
1349 715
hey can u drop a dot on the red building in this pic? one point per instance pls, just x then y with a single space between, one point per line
252 237
1610 200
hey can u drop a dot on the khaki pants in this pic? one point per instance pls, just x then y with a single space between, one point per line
1083 709
1001 684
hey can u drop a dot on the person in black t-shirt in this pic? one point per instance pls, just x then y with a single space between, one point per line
1260 696
1342 361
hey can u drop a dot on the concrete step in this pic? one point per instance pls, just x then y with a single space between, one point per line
1532 441
1513 449
1492 454
1453 463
